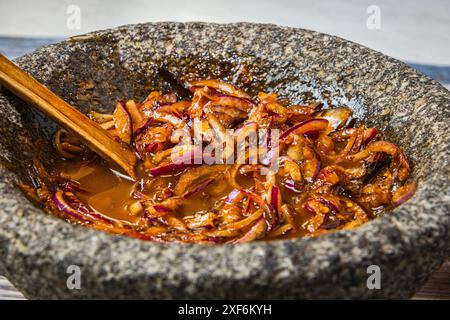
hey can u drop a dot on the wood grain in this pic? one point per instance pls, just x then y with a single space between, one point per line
438 286
89 132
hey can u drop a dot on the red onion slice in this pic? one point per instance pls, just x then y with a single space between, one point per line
167 168
314 135
243 104
233 197
310 208
220 85
256 232
403 194
123 123
161 208
291 185
268 212
140 195
330 203
68 203
62 205
305 127
337 117
369 135
156 211
376 146
198 188
133 111
275 199
80 207
311 169
142 126
187 159
245 130
72 187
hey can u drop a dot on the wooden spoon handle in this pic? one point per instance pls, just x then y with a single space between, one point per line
94 136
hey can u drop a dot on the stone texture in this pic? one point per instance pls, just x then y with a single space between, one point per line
408 244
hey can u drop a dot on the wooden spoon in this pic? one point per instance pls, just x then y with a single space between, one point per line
89 132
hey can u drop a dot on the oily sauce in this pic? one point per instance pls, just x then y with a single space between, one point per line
333 173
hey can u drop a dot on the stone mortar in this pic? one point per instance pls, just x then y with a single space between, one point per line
408 244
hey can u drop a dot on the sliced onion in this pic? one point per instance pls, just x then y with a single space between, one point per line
233 197
329 202
195 174
291 167
330 225
219 129
198 188
230 229
245 129
101 117
403 194
256 232
133 111
275 199
72 187
67 146
306 126
221 86
168 168
201 220
108 125
281 230
156 211
336 117
292 185
303 110
377 146
80 207
168 118
268 212
313 135
187 159
68 203
123 123
310 208
61 204
236 114
141 126
243 104
369 135
311 169
140 195
161 208
174 222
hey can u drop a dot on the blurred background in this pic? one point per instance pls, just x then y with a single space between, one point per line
417 31
414 31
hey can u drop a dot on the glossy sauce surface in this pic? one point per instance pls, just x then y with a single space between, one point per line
331 172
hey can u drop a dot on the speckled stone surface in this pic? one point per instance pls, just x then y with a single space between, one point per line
408 244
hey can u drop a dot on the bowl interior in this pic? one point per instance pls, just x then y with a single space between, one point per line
96 74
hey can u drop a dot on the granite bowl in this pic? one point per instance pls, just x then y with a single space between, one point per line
95 70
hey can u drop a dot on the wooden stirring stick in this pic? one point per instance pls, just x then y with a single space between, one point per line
89 132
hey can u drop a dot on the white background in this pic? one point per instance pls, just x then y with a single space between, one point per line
411 30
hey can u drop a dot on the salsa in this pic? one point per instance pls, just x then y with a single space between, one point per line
225 167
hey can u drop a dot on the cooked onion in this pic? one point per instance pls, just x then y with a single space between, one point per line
326 172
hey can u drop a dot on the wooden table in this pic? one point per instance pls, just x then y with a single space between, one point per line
437 287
